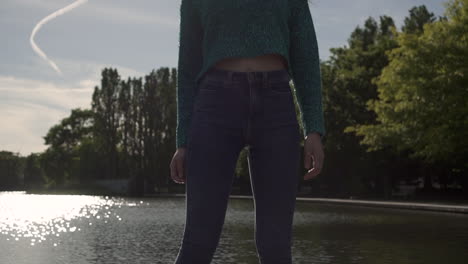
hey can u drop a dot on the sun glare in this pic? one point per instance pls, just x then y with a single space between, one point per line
38 217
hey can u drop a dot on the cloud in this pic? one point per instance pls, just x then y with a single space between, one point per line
42 22
139 12
28 108
74 72
124 14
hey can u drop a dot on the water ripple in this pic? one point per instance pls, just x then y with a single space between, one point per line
37 217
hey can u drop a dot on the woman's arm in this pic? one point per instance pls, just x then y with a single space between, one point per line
305 65
189 64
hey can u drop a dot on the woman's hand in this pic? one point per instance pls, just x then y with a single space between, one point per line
313 154
177 166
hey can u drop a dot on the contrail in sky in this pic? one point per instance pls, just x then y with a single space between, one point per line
44 21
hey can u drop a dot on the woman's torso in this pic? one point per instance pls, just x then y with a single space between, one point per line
266 62
218 12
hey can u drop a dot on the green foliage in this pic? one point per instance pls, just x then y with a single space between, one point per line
10 169
419 16
71 130
34 176
127 133
60 162
422 103
348 86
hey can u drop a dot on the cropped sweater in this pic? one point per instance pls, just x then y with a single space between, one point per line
214 29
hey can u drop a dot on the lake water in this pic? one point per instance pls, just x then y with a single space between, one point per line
99 229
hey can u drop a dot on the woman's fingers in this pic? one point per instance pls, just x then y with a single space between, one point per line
173 170
307 158
180 170
317 166
313 157
177 167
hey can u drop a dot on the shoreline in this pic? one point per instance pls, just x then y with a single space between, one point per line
435 207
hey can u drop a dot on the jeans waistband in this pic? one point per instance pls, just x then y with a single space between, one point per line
226 75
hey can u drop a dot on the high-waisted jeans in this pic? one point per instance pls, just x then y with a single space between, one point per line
233 110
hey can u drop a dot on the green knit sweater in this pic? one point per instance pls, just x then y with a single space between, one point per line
214 29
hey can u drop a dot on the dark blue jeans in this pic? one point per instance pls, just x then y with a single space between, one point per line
233 110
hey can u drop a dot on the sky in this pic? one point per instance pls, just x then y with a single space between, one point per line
133 36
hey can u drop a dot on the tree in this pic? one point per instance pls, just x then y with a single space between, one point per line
419 16
421 105
105 107
33 173
10 170
61 160
347 87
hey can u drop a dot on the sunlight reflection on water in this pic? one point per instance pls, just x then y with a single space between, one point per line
37 217
85 229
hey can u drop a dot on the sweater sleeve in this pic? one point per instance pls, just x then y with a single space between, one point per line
189 64
305 66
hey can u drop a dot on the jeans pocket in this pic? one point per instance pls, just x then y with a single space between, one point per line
280 87
208 97
210 85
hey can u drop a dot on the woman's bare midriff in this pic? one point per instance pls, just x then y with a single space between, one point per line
267 62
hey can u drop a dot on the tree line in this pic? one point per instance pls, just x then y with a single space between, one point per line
395 105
